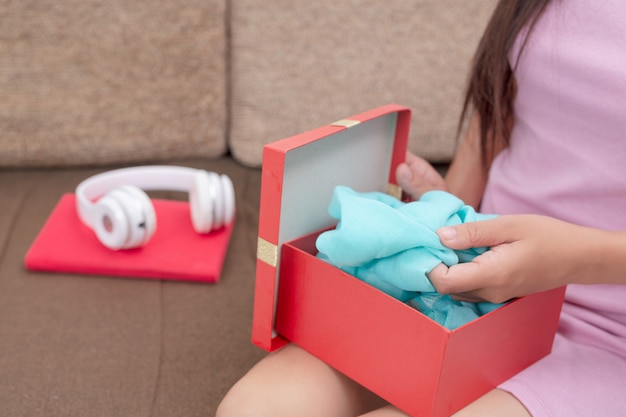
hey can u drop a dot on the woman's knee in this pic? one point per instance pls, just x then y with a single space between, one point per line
280 384
293 382
495 403
234 404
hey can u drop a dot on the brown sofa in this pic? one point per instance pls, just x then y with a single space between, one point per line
87 86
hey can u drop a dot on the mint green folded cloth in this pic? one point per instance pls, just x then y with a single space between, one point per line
393 246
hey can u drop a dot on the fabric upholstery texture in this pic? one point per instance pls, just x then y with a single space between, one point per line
80 345
297 65
86 82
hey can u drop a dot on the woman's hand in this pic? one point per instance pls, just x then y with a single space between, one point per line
416 176
528 254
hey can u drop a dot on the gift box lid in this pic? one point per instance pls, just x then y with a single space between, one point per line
299 175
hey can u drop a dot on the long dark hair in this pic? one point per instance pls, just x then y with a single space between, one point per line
491 86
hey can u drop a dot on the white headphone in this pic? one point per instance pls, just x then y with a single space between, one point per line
122 216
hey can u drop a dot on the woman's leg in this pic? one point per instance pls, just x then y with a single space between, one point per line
495 403
292 382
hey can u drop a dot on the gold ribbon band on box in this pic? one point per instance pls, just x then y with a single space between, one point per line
347 123
394 191
267 252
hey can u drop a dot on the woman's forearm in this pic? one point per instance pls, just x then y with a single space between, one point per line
603 258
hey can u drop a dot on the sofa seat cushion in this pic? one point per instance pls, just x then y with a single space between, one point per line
79 345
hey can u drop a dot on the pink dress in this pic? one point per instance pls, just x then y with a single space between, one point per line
567 159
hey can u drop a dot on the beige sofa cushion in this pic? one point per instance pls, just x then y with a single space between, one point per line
87 82
300 64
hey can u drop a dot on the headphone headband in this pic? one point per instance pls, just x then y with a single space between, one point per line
121 214
155 177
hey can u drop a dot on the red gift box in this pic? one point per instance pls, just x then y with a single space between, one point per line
384 344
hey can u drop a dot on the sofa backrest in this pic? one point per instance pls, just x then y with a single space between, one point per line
301 64
89 83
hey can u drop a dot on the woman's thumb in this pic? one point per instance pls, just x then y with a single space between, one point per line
470 235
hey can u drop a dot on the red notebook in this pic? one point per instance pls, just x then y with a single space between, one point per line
175 252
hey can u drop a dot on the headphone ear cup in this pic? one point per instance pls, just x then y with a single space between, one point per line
201 202
146 223
228 198
219 208
212 201
110 222
125 218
